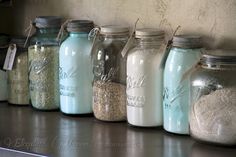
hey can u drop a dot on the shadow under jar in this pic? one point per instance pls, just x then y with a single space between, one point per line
213 98
44 64
109 69
18 86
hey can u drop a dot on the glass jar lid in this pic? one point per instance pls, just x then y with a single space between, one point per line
4 40
18 40
187 41
149 33
114 30
219 57
80 26
48 21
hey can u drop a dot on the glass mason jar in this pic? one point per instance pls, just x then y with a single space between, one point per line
109 69
18 92
43 57
144 79
75 71
213 98
4 44
185 52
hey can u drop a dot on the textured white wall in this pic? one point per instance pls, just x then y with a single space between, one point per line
214 19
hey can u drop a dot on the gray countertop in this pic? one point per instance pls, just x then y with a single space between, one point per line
57 135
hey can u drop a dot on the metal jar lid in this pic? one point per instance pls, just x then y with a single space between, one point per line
114 30
48 21
219 57
4 40
149 33
80 26
187 41
18 40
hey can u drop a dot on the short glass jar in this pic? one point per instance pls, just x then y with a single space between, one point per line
75 71
144 79
43 57
4 44
213 98
185 52
18 87
109 69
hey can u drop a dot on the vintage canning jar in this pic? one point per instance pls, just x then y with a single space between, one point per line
18 87
213 98
109 69
144 79
44 63
75 71
185 52
4 44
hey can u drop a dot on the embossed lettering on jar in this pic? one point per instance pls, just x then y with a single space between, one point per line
109 69
144 79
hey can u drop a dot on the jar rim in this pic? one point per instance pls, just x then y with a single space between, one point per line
114 30
187 41
18 40
149 33
80 26
47 21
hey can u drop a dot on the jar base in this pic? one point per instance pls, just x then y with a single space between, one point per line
18 105
110 121
78 115
151 127
45 110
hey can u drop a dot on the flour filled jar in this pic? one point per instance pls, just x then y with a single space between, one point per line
109 69
144 79
4 44
184 53
18 87
44 63
75 71
213 98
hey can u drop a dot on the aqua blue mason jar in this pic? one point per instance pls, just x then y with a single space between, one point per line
75 72
43 59
185 52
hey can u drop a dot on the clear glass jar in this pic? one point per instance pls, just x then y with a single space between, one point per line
109 69
43 57
4 44
75 71
18 87
213 98
185 52
144 79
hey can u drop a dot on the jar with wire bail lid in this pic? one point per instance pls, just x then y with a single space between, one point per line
144 79
43 57
18 87
109 69
75 71
184 53
213 98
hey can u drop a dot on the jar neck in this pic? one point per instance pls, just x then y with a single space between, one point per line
147 42
218 66
114 37
47 30
78 34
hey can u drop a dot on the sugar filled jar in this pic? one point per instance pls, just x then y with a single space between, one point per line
75 71
18 87
4 44
109 69
43 57
144 79
213 98
185 52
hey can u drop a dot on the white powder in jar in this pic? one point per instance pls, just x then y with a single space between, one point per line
213 117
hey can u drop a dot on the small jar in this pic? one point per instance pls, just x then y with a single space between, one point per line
75 71
144 79
18 92
109 69
4 44
213 98
185 52
44 64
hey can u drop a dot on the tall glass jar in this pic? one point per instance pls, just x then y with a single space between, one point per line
213 98
18 92
109 69
144 79
185 52
75 71
4 44
44 64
